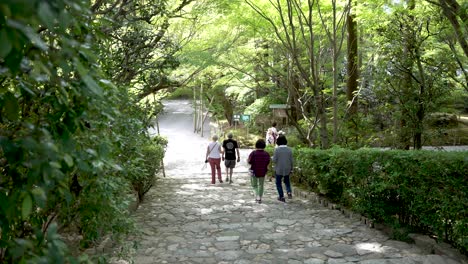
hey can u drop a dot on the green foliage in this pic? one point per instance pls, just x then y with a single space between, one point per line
423 189
66 132
181 93
260 106
141 52
242 48
143 169
293 138
413 70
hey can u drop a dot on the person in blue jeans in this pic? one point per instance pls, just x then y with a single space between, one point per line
283 160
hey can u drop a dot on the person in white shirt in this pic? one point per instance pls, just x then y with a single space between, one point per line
213 156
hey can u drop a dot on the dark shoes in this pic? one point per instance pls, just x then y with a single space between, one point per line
282 199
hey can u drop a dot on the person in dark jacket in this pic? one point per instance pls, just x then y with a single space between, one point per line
283 160
258 160
230 147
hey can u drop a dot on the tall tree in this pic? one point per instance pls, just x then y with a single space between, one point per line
353 73
415 80
335 35
293 24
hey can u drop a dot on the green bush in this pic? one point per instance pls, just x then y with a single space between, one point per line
72 144
145 168
427 190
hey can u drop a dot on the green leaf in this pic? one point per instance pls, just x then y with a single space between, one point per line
13 61
68 159
64 19
80 68
87 79
25 90
117 167
33 37
92 85
26 207
87 53
4 202
11 106
92 152
107 82
5 44
55 164
39 196
45 14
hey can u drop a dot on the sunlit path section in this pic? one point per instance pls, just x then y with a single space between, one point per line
185 148
186 219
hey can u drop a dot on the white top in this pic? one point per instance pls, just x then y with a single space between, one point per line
215 150
271 135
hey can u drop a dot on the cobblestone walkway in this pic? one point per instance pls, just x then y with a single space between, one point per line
185 219
188 220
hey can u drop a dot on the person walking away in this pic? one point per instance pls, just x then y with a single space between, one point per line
271 134
283 160
258 160
230 148
213 156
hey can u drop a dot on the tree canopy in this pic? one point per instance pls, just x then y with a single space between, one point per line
334 63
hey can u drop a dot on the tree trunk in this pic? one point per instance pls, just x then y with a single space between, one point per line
353 73
228 110
335 77
322 116
404 137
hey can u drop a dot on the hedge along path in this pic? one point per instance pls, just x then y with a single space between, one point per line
186 219
424 189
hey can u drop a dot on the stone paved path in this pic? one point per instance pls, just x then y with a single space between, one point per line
185 219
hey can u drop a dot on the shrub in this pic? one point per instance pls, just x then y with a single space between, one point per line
66 135
426 190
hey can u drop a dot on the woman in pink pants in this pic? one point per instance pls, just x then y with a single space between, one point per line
213 156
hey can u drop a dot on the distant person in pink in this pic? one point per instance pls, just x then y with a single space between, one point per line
272 134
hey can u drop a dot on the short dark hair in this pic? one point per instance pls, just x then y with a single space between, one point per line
274 124
281 140
260 144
